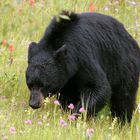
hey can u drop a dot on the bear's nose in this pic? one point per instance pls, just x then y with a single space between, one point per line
34 105
36 98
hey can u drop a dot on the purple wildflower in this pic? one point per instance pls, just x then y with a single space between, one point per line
56 102
12 130
81 110
72 118
63 123
71 106
28 122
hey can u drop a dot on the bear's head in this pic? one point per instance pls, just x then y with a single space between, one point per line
45 73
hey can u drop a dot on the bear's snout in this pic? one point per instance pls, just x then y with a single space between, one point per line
36 99
34 105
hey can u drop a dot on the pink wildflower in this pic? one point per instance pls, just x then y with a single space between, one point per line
72 118
71 106
63 123
28 122
81 110
56 102
12 130
89 132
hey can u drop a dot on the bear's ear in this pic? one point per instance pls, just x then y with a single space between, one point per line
56 30
61 53
33 49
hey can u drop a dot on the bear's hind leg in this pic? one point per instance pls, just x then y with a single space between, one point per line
123 102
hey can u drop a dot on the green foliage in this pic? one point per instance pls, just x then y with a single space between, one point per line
22 21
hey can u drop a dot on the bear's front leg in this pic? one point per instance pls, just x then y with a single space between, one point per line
68 94
93 100
96 94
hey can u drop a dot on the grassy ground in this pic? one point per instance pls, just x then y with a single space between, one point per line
21 22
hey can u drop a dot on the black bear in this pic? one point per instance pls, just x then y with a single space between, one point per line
90 59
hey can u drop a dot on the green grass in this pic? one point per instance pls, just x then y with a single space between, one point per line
20 24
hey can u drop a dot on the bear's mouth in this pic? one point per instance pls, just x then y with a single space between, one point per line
36 98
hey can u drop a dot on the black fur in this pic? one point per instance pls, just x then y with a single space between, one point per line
90 59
